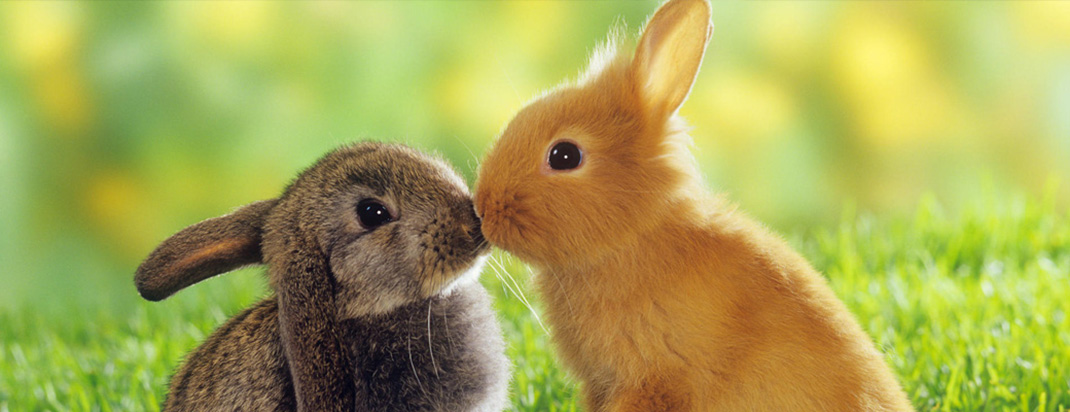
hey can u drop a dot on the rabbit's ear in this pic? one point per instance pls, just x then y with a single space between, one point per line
206 249
311 334
670 52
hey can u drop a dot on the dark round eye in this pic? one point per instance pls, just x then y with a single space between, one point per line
372 214
565 156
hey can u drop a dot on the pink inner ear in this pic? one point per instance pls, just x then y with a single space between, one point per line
223 249
651 40
670 53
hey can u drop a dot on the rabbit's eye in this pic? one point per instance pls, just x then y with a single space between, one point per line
565 156
372 214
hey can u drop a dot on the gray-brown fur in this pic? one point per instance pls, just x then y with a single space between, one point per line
362 319
170 267
393 353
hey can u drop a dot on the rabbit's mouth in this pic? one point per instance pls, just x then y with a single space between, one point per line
467 276
447 273
451 247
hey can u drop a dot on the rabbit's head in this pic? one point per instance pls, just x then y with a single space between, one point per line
387 223
594 163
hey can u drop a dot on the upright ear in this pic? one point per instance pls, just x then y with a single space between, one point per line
206 249
670 52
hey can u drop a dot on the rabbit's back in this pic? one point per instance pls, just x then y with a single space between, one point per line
240 367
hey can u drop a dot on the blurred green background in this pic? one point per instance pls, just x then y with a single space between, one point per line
122 122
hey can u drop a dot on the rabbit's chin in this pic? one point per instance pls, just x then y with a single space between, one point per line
469 275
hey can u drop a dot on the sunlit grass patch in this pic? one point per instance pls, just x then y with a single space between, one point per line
970 310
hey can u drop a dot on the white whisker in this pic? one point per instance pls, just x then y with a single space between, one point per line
505 285
470 152
498 275
430 346
415 374
568 299
520 295
449 337
507 78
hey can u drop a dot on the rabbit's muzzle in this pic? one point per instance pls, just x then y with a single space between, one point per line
502 214
451 246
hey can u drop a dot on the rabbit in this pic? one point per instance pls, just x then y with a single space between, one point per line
373 254
660 296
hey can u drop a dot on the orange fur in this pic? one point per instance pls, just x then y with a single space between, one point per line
661 297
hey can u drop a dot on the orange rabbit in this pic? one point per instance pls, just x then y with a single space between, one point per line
659 296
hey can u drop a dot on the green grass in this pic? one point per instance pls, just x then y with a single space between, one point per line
970 309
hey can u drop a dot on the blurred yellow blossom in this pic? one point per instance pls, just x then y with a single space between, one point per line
46 39
232 26
119 212
127 120
541 24
886 72
43 33
1043 24
790 33
742 109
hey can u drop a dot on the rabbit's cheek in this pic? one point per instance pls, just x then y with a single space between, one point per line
369 299
436 271
370 281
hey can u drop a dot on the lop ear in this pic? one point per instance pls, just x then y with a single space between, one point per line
670 52
311 335
206 249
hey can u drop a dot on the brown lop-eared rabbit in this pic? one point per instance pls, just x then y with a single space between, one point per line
373 254
660 297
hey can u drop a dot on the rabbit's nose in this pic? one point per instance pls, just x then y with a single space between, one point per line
472 225
478 241
479 205
476 232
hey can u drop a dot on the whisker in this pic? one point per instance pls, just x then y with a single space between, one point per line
519 291
430 346
469 149
568 299
415 374
523 299
449 337
497 273
498 59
